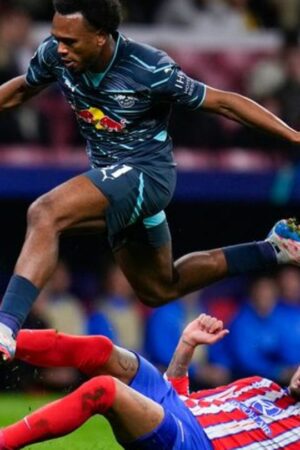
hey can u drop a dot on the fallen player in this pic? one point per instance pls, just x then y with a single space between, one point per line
149 411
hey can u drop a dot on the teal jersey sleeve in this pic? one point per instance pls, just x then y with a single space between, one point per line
42 66
172 85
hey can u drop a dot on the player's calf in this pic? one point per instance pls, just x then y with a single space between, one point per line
92 355
96 396
48 348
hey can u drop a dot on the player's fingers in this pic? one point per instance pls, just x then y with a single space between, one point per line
217 325
203 320
221 335
203 317
209 323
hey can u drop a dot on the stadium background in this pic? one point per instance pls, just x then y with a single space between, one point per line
233 184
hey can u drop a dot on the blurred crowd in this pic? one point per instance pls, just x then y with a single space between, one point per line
262 314
247 14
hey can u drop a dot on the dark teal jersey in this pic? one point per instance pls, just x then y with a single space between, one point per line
122 113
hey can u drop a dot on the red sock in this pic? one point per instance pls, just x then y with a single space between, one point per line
47 348
95 396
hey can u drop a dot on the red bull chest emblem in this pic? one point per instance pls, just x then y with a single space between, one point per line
100 120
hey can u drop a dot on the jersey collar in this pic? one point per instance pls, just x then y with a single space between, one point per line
95 78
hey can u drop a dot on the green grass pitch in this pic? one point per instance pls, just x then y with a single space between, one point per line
95 434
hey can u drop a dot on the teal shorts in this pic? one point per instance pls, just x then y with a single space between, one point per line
137 200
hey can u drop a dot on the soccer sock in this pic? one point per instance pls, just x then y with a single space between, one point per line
47 348
252 257
17 302
63 416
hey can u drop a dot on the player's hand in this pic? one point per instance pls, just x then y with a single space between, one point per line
295 384
204 330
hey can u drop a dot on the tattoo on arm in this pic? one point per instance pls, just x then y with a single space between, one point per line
179 364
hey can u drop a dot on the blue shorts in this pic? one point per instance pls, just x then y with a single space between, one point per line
179 429
137 198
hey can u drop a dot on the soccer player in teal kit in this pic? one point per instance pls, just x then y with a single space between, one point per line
122 92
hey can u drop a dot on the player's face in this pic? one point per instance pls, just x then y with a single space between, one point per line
79 44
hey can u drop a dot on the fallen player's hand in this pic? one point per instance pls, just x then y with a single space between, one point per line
204 330
294 386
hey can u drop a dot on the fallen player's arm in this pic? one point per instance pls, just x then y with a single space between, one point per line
294 387
203 330
181 359
16 91
246 111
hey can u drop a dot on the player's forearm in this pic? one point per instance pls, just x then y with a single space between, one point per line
246 111
181 360
15 92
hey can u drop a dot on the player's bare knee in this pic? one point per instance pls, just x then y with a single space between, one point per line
123 364
41 213
157 297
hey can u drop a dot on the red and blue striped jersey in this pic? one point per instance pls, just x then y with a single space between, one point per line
250 414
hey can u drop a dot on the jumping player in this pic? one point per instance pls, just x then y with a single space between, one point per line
121 93
144 409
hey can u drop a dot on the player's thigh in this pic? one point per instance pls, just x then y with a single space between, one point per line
77 200
145 256
149 393
122 364
150 415
149 270
133 195
133 415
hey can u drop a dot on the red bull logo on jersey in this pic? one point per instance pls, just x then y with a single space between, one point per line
100 120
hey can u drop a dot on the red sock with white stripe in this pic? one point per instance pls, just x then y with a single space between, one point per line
63 416
48 348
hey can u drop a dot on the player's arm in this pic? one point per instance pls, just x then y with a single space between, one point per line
246 111
16 91
294 386
203 330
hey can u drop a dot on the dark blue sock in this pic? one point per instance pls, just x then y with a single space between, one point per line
252 257
17 302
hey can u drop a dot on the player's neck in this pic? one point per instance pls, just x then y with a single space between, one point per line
106 56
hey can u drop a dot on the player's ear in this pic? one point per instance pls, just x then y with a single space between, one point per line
101 38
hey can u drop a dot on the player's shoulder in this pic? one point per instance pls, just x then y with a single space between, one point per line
147 57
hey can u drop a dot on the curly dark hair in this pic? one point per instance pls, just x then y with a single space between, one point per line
103 15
